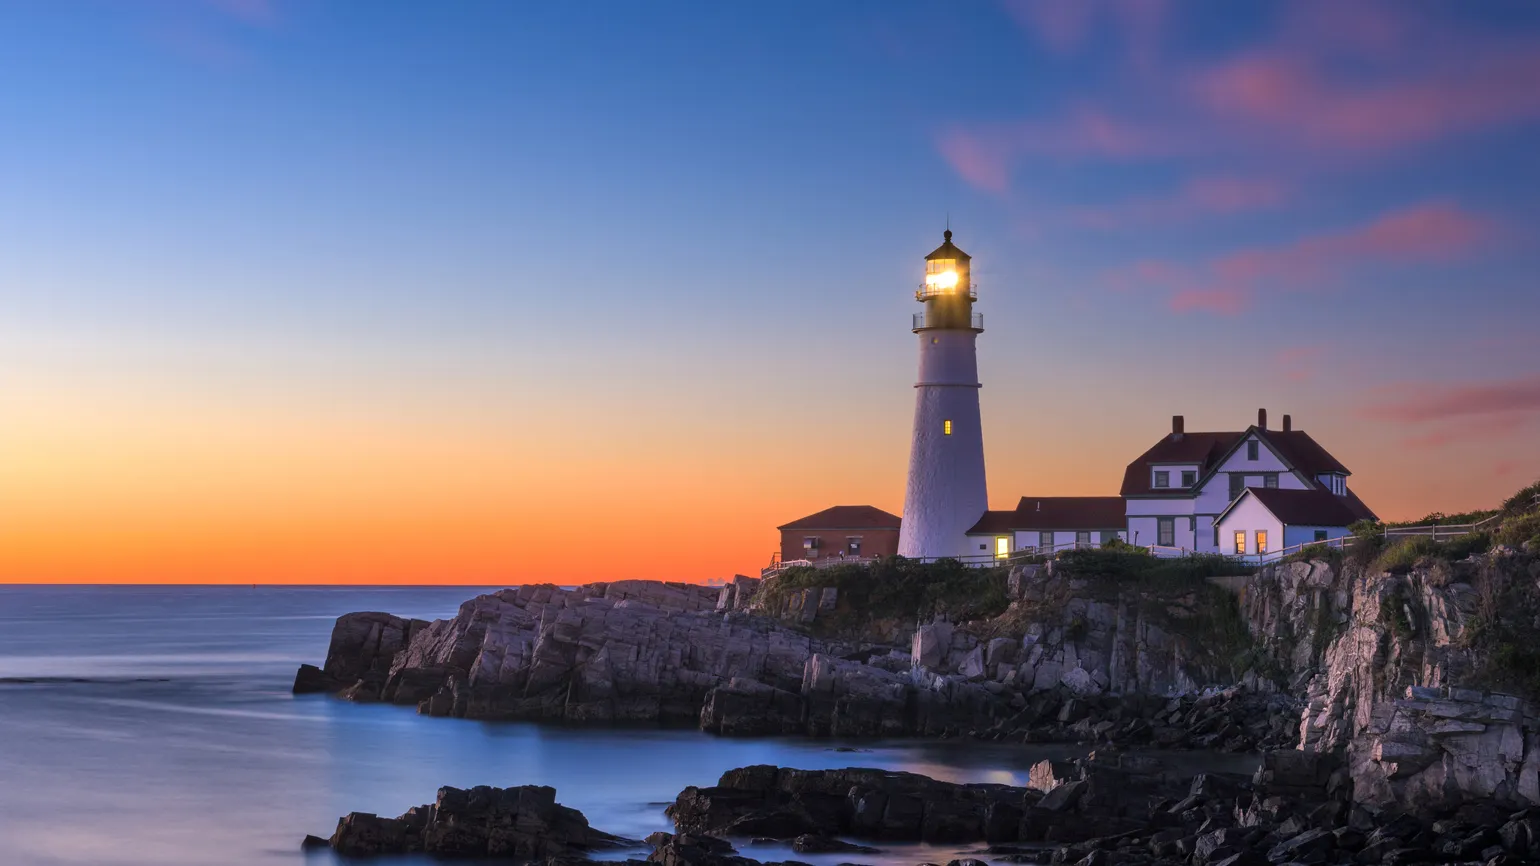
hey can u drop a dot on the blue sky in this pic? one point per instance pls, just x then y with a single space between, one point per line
518 221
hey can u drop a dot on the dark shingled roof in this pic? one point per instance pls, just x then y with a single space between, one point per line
993 522
1208 449
846 517
1307 507
1055 512
948 251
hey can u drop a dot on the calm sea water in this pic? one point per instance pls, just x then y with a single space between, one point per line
160 730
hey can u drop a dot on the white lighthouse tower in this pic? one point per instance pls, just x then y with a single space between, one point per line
946 493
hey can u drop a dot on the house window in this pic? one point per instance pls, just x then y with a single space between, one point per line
1109 536
1237 485
853 545
1261 541
946 427
1270 479
1251 449
1165 531
1045 540
1320 535
810 543
1002 546
1189 477
1216 536
1240 541
1083 539
1162 479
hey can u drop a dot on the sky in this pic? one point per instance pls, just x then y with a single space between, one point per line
480 292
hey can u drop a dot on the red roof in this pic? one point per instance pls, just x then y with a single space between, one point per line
846 517
1055 512
1306 507
1208 450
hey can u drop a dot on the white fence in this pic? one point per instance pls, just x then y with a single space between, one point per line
1436 531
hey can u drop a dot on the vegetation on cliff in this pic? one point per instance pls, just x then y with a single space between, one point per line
894 588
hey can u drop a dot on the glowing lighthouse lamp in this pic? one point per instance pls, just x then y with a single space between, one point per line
945 494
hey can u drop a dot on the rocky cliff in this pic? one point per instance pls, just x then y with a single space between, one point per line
1411 678
1064 661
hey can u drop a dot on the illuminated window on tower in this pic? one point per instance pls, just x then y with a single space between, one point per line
946 427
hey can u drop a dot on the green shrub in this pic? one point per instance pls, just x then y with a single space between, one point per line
1464 546
900 588
1516 531
1393 616
1523 502
1311 552
1401 555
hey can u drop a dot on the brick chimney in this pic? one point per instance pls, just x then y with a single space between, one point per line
1176 427
1288 423
1261 419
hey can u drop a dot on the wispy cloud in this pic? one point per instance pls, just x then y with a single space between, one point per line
1227 283
1441 402
1205 195
1292 98
986 155
1333 83
1299 363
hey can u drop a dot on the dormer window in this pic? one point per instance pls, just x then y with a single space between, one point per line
1162 478
1189 477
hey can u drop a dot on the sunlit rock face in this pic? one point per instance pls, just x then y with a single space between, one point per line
1388 658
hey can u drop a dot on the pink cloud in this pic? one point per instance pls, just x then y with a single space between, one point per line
1508 399
983 161
1217 194
1485 429
1065 26
1429 232
985 155
1299 363
1289 93
1061 25
1226 284
1224 300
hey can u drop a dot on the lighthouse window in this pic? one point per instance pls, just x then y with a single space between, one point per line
946 427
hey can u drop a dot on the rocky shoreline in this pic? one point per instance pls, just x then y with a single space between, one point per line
1382 678
1110 808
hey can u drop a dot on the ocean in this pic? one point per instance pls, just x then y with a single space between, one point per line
152 726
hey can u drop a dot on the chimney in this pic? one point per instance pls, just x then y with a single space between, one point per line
1261 419
1288 423
1176 426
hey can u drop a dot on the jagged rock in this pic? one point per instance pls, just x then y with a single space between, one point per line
524 823
310 679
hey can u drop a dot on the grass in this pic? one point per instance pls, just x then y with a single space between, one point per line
1312 552
897 588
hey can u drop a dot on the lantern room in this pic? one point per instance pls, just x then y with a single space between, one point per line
947 291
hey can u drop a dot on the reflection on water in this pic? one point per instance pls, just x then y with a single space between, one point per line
213 761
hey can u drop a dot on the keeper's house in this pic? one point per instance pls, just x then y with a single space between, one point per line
1185 493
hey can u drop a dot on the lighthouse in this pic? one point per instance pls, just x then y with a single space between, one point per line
946 493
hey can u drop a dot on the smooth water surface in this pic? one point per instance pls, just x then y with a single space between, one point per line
158 728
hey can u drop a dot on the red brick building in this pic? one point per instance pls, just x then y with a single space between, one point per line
844 531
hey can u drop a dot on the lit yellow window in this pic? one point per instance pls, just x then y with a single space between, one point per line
946 427
1002 546
1240 541
1261 541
